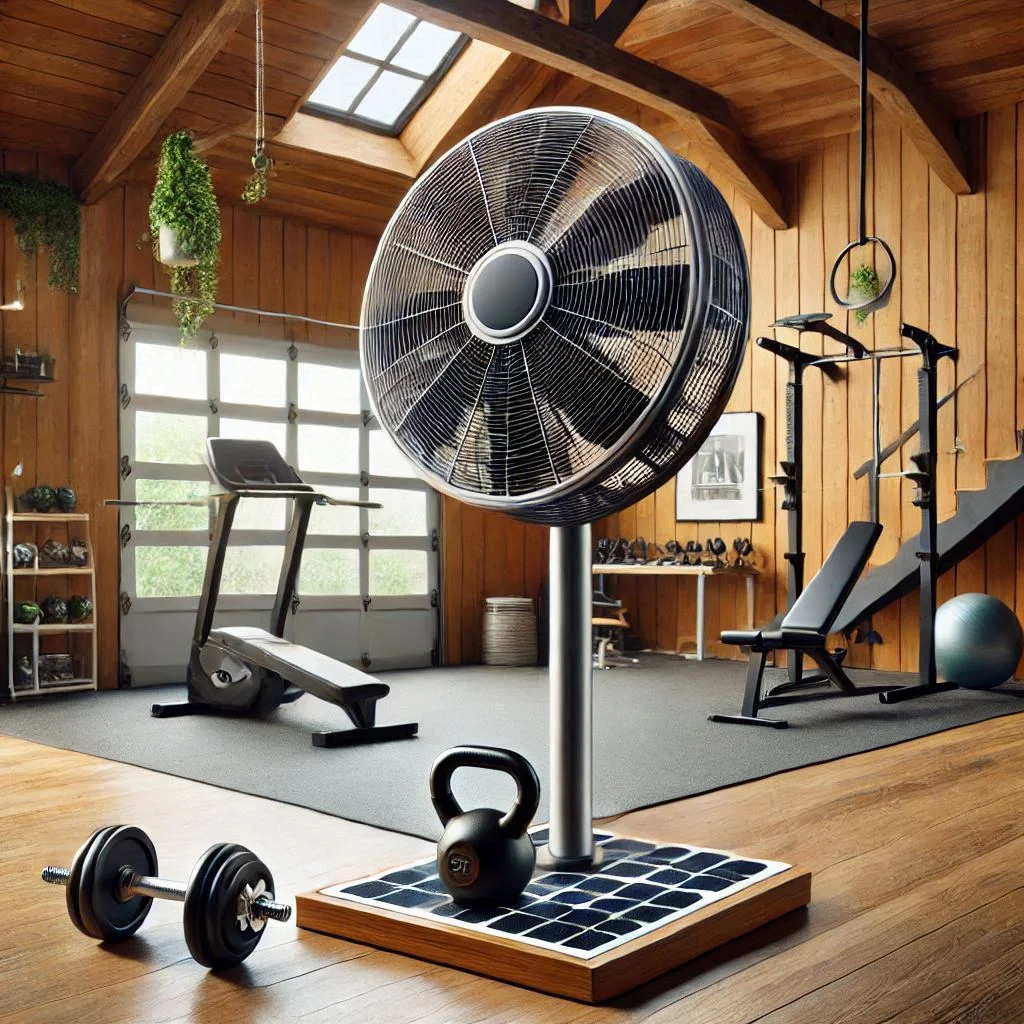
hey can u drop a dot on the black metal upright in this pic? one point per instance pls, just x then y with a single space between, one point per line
924 476
289 576
791 480
226 505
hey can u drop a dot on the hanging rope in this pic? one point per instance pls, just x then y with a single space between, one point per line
256 187
868 302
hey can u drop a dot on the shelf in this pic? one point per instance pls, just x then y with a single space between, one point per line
53 627
50 517
65 686
77 524
76 570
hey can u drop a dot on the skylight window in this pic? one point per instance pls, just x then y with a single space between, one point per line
388 69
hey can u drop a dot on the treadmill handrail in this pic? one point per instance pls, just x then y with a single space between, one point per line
318 497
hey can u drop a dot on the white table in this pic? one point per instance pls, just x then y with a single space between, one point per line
700 572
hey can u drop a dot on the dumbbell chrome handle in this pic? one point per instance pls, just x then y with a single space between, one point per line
261 907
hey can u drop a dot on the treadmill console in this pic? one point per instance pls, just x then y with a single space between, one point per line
242 465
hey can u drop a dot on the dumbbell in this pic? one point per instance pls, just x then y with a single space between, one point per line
112 883
743 548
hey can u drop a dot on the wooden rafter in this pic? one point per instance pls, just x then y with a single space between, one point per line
703 114
332 138
835 41
581 13
198 35
617 18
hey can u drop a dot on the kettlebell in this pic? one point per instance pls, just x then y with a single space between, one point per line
484 856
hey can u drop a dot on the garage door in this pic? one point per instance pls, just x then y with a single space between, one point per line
368 589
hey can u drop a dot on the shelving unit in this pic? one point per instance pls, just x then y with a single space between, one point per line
78 524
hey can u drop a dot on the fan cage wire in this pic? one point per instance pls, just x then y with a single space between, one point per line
685 401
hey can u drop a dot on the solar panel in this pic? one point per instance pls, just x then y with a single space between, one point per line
641 885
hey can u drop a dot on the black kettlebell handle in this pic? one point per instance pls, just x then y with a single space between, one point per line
497 759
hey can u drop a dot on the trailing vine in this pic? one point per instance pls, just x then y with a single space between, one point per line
183 199
48 215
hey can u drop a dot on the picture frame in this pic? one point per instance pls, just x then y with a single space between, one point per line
722 482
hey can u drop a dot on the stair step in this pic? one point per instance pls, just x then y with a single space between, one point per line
979 515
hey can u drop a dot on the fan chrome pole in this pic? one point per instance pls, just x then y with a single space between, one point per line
571 834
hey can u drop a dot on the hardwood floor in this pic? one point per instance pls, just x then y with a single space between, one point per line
917 911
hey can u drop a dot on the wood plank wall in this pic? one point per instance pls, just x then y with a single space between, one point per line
961 276
961 263
70 436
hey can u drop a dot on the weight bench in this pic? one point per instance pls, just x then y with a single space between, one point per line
805 630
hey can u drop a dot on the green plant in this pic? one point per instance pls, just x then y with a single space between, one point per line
183 199
864 285
45 214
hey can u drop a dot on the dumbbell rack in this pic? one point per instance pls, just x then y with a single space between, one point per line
15 519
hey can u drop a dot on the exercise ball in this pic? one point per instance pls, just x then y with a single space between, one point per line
978 641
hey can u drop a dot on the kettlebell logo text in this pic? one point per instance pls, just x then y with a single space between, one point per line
462 865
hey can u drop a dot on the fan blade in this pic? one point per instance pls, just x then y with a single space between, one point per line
615 224
596 399
628 298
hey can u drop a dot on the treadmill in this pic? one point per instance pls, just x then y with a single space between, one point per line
246 670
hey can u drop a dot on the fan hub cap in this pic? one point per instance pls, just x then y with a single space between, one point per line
507 292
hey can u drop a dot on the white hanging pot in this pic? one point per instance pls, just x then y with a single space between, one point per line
171 254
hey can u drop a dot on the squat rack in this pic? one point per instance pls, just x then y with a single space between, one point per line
930 351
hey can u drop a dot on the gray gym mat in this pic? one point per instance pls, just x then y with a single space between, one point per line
652 739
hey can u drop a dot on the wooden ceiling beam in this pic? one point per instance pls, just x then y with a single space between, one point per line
197 36
581 14
617 18
703 114
837 42
332 138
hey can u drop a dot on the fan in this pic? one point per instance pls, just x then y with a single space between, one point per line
555 316
552 324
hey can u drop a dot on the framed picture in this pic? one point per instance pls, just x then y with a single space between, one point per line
723 480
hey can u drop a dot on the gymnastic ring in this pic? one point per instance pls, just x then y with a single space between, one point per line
877 301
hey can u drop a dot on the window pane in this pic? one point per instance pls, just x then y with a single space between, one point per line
251 570
425 48
404 513
253 381
341 85
171 517
169 572
387 97
261 514
167 437
385 458
398 572
329 571
380 32
328 449
170 370
255 430
336 520
328 388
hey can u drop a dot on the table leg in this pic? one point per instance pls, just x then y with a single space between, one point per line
750 601
700 617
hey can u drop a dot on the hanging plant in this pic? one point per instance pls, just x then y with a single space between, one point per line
184 221
45 214
864 285
256 187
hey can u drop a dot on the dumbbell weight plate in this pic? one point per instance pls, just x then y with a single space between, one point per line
99 865
213 933
72 891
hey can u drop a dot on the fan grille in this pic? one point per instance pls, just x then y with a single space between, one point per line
630 358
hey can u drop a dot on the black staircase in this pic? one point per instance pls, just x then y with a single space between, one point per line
979 515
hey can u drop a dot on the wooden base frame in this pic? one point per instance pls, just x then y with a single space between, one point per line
590 981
